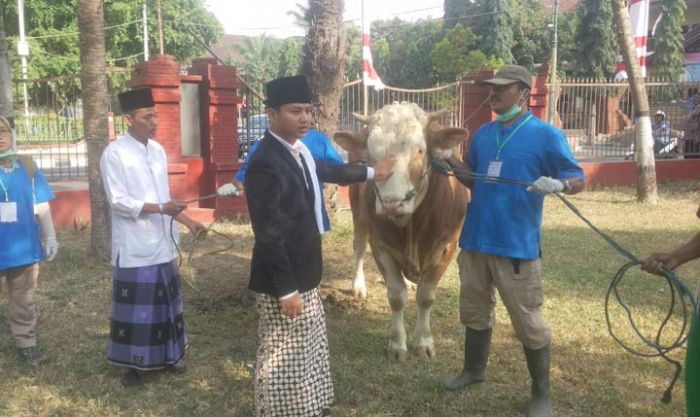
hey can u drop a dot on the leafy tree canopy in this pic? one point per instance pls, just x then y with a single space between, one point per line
52 31
456 54
595 35
265 58
401 51
668 45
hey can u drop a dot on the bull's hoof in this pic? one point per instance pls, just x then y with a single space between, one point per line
425 351
396 353
359 289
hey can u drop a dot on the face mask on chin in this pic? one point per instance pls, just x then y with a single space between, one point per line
7 153
511 113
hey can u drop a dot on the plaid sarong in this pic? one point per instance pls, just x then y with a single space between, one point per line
292 370
147 330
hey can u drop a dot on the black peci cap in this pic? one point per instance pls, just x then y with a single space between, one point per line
136 99
287 90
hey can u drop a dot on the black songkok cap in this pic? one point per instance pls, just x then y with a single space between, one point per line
287 90
136 99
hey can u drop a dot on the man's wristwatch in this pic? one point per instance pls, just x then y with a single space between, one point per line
160 208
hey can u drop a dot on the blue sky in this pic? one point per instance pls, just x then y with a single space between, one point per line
270 16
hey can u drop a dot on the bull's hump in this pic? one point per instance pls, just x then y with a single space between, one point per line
397 114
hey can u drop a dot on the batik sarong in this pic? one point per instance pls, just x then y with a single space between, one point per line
147 330
292 370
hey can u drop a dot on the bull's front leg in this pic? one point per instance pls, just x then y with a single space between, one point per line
359 246
397 294
425 295
423 337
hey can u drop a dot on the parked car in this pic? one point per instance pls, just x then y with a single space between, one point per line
249 130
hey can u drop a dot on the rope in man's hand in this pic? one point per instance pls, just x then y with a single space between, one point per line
189 277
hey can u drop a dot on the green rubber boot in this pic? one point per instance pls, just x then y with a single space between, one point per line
476 354
538 365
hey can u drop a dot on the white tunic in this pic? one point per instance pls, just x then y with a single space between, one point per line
134 174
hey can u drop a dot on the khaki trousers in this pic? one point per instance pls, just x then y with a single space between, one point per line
520 286
21 283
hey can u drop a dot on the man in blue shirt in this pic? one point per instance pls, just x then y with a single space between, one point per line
501 235
24 213
321 149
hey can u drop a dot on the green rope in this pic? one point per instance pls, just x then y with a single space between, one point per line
189 277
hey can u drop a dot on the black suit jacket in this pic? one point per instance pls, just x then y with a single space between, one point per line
287 251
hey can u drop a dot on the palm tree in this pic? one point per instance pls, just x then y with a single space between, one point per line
95 107
299 16
644 142
324 60
324 63
260 56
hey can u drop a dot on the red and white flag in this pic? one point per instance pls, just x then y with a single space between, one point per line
639 17
369 75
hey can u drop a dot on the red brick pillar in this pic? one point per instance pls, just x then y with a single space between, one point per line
475 107
162 75
539 96
219 114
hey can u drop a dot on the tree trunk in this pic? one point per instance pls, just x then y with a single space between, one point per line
324 60
5 74
644 142
324 64
95 107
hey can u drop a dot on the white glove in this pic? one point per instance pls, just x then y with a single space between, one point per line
228 190
546 185
51 248
43 214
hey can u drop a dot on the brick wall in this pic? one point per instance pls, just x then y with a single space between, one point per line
219 113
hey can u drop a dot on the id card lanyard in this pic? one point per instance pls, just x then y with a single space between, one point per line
499 145
4 190
8 209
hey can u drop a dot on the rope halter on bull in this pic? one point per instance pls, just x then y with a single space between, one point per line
679 292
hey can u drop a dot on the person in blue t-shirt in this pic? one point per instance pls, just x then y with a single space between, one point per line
500 240
321 149
24 212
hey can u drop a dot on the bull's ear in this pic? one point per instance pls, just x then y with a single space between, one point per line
436 115
350 141
447 137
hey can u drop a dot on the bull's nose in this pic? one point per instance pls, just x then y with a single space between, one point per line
391 207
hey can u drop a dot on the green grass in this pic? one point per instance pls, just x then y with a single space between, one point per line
591 375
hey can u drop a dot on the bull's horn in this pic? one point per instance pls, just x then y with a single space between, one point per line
432 116
361 118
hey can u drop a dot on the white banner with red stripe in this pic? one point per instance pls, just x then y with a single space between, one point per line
639 18
369 75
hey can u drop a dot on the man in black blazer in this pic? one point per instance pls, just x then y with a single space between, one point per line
292 373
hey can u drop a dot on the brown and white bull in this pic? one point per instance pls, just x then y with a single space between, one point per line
413 219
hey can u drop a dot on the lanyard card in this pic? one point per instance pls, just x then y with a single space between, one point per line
495 168
8 212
